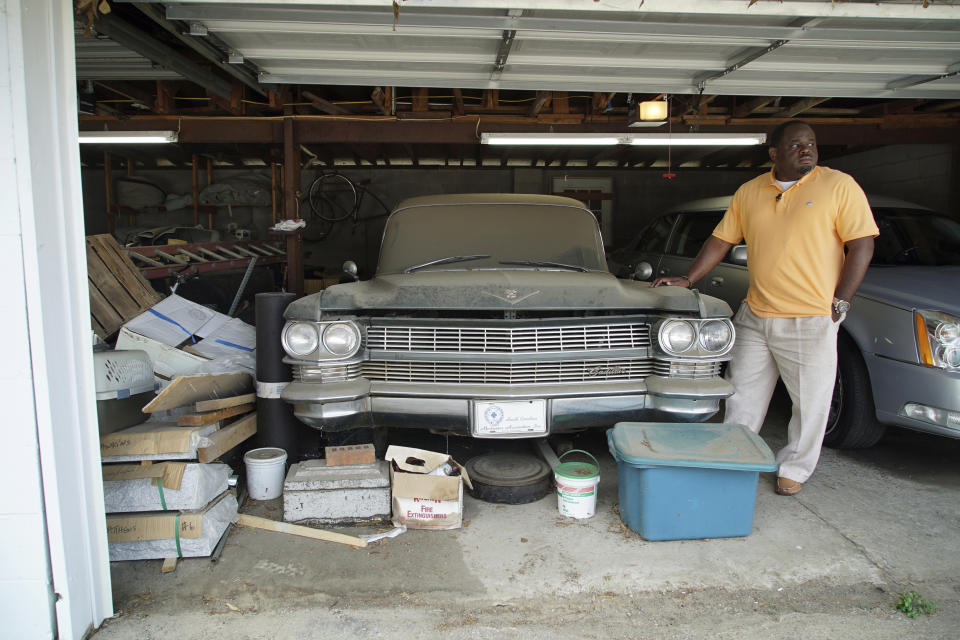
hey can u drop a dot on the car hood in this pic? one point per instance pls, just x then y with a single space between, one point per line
914 287
507 290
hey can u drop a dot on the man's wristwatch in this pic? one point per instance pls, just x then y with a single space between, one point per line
840 305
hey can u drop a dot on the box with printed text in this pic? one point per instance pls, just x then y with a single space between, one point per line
426 488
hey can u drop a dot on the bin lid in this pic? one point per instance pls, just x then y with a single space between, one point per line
707 446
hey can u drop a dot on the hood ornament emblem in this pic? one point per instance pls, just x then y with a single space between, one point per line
511 296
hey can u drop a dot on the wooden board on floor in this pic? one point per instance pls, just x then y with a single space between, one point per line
186 390
207 417
227 438
307 532
118 292
223 403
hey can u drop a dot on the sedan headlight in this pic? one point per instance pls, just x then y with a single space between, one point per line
301 338
676 336
938 339
716 336
341 338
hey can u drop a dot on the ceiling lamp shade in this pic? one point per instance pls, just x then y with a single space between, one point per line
611 139
653 110
128 137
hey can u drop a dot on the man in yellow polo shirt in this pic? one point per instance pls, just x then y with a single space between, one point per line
796 222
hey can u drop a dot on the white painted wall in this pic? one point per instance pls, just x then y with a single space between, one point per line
54 571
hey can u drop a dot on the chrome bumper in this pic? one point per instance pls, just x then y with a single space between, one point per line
448 407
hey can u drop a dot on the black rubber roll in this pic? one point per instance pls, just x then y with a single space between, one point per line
276 424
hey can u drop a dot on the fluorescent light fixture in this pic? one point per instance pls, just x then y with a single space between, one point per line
551 139
611 139
696 139
128 137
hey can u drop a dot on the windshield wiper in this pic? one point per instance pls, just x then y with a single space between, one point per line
449 260
536 263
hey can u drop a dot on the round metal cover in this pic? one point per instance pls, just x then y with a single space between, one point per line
511 478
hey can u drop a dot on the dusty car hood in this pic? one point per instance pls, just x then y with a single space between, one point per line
914 287
504 290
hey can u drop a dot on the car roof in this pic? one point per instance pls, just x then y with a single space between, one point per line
720 203
488 198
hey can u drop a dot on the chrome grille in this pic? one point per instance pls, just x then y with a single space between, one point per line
506 373
690 370
508 339
328 372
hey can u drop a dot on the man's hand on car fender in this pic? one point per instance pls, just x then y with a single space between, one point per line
678 281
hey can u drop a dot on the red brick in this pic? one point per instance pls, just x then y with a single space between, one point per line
350 454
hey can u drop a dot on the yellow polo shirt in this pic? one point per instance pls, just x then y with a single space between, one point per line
795 243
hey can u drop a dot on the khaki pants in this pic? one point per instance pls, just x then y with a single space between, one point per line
802 351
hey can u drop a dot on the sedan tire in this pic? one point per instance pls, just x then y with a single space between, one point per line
852 423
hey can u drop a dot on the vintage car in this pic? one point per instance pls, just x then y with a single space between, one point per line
899 346
495 316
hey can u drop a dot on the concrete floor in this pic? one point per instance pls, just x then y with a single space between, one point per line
825 564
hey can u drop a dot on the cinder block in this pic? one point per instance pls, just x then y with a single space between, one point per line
316 492
350 454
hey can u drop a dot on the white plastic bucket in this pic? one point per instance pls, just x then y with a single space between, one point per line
266 470
577 486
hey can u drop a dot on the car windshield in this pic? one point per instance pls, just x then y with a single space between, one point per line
915 237
491 236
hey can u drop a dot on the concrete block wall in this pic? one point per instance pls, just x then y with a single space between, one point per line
924 174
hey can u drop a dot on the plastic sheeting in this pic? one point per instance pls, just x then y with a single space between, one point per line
200 484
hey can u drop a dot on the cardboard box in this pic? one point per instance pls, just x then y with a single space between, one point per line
423 497
160 438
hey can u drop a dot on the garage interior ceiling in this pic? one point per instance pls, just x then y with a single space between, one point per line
416 82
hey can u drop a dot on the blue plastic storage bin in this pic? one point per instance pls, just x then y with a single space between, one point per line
688 481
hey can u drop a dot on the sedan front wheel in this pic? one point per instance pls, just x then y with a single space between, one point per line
852 423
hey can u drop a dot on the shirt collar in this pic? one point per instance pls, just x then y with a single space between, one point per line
773 179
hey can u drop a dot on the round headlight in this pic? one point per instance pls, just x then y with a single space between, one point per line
715 336
676 336
947 332
301 338
341 339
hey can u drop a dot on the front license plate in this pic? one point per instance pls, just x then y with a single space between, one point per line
513 417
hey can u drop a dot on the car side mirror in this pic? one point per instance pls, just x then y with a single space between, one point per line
642 271
350 269
738 255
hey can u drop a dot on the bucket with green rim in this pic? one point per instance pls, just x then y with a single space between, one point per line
577 485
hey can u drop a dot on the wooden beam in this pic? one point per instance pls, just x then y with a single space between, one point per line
208 417
543 99
128 91
227 438
458 102
561 103
324 106
799 107
379 99
750 106
164 98
420 101
195 175
108 191
256 522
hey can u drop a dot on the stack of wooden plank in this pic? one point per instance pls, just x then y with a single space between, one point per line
194 420
118 291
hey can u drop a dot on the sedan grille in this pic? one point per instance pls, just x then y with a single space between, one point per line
508 340
506 373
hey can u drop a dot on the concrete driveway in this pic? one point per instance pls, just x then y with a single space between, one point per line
827 563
